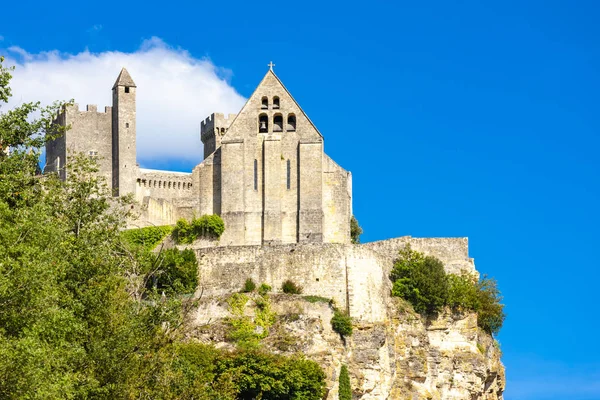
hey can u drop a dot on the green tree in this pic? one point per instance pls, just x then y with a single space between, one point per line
72 323
355 230
345 391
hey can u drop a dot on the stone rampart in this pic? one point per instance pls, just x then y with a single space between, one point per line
453 252
353 276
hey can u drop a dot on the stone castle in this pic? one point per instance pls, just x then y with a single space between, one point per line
264 169
287 208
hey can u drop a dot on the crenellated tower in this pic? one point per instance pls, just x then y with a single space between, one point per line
212 129
123 135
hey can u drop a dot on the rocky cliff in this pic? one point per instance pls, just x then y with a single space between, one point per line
404 357
393 352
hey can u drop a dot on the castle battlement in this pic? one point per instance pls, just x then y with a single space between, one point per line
216 120
89 108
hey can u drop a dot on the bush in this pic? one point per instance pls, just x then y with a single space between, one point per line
177 272
490 315
420 280
316 299
258 375
207 226
249 286
355 230
202 372
264 289
290 287
423 282
341 323
345 391
147 237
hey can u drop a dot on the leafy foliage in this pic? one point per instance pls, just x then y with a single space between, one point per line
345 391
317 299
424 283
249 286
148 237
264 289
246 332
176 272
207 226
420 280
341 323
290 287
258 375
355 230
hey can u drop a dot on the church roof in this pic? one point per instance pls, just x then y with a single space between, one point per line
124 79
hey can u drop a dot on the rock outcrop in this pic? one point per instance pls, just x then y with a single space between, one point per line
405 357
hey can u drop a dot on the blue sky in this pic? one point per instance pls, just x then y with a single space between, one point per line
472 119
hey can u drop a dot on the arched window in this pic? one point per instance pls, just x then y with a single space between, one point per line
264 103
291 123
275 103
263 123
278 123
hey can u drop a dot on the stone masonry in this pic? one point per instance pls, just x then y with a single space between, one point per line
264 170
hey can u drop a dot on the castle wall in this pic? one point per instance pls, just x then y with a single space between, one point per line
310 196
453 252
163 184
355 276
337 202
90 134
232 204
155 212
56 151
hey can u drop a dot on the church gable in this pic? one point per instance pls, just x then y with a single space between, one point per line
271 110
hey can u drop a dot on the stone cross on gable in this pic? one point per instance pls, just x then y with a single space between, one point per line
271 65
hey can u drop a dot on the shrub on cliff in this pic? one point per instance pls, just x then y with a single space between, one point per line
341 323
422 281
344 391
207 226
289 287
249 286
355 230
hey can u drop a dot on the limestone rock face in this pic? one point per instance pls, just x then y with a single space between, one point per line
403 357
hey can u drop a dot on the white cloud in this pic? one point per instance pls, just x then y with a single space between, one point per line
175 91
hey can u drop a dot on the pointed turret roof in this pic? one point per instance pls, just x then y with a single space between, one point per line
124 79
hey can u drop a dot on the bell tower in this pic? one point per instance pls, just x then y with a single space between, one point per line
123 135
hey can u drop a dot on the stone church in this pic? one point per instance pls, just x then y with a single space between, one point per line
264 169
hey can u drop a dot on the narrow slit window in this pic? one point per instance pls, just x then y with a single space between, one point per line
126 89
289 171
255 174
